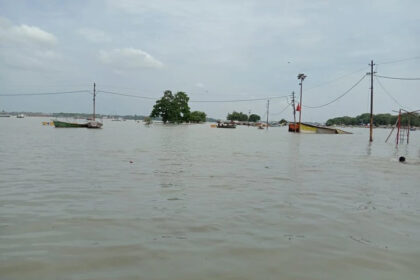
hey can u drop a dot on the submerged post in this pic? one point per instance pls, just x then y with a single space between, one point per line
268 108
399 127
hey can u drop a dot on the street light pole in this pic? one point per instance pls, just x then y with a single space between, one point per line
300 77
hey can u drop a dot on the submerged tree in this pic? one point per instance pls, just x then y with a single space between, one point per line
283 122
197 117
254 118
175 109
235 116
181 108
164 107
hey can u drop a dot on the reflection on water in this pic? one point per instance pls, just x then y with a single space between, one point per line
369 148
194 202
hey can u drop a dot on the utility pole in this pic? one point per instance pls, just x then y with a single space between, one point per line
300 77
94 95
294 109
371 102
268 108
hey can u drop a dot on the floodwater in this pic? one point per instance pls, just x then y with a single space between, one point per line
204 203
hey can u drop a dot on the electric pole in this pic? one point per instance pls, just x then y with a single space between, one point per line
268 108
371 102
94 95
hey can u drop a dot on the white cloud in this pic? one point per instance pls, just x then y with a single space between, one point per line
94 35
128 59
24 35
26 47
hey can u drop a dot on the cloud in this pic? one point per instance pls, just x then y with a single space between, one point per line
26 47
94 35
24 35
129 59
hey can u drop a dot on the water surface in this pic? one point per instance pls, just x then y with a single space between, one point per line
194 202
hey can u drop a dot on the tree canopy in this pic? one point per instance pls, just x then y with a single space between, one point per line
175 109
379 119
282 121
197 117
235 116
254 118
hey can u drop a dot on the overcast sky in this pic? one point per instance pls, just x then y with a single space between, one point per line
212 50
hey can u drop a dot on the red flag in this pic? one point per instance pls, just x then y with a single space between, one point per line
298 107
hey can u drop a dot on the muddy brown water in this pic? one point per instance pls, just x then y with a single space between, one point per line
204 203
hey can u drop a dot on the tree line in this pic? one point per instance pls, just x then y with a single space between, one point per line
239 116
378 119
173 108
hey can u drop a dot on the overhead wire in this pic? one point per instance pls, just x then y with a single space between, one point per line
399 60
284 109
47 93
398 78
238 100
336 79
389 94
193 101
127 95
339 97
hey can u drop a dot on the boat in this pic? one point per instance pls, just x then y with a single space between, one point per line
48 123
226 125
3 114
20 116
92 123
68 124
317 129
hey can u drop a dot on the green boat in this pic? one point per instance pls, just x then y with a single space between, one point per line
92 123
69 124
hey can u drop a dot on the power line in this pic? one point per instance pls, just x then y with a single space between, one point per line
336 79
237 100
193 101
399 60
46 93
227 101
127 95
334 100
284 109
389 94
396 78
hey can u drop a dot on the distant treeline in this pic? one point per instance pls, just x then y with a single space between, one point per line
85 116
379 119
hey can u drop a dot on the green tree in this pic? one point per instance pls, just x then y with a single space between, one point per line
235 116
283 122
254 118
379 119
172 108
181 108
164 107
197 117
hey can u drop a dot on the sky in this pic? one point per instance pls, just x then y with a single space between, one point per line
212 50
